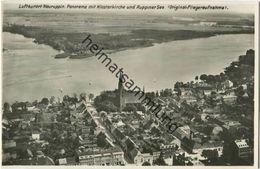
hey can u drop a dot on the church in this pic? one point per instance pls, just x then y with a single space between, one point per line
126 96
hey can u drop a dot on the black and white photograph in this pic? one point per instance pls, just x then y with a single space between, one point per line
129 83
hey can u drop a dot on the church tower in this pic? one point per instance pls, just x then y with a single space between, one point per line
120 93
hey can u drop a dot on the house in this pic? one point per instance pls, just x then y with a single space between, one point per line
182 132
62 161
227 84
67 161
198 148
180 160
9 144
231 125
35 135
242 149
168 150
98 130
130 148
140 114
185 91
244 86
119 124
207 92
189 99
230 98
140 158
205 89
156 154
135 124
86 129
101 157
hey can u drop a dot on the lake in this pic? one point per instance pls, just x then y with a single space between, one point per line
30 72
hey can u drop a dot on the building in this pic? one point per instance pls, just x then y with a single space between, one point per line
182 132
168 150
127 97
140 158
9 150
242 149
231 126
227 84
100 157
130 148
188 99
180 160
230 98
35 135
199 148
98 130
9 144
67 161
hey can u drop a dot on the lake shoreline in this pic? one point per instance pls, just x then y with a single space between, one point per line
165 63
71 47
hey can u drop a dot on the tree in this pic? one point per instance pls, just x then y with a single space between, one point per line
35 103
146 164
101 140
82 96
166 92
74 100
203 77
45 101
130 108
52 99
65 98
211 100
178 90
210 79
157 94
239 93
75 95
197 78
178 85
6 107
91 96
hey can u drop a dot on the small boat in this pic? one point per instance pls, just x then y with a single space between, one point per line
61 56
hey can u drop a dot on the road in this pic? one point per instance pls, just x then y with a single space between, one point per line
94 115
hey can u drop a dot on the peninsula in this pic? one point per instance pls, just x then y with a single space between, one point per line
70 46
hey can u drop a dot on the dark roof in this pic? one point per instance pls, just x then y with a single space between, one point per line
129 144
119 134
148 124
